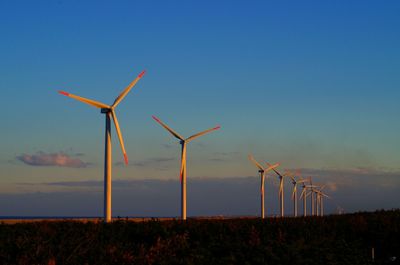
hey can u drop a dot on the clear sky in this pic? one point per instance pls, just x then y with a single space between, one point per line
311 84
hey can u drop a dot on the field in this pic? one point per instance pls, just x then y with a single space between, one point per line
336 239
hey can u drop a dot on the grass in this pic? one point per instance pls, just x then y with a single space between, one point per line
336 239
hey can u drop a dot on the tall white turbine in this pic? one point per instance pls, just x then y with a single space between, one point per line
321 196
109 112
182 172
310 187
303 196
280 195
294 193
316 203
312 199
318 198
262 172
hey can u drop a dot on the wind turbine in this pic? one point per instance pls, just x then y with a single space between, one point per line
262 172
304 196
319 198
312 198
109 111
294 193
182 172
280 196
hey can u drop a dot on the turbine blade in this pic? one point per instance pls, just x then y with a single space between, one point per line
121 140
127 89
287 173
311 186
276 172
272 167
251 158
183 162
302 193
85 100
168 129
202 133
294 191
323 194
262 182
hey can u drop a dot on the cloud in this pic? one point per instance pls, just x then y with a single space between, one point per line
332 186
348 173
335 179
217 159
60 159
227 153
167 146
159 163
224 156
207 195
152 161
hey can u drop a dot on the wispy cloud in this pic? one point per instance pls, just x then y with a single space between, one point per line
208 196
224 156
352 172
159 163
60 159
217 159
167 146
339 178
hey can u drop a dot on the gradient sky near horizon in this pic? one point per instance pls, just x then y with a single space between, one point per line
311 84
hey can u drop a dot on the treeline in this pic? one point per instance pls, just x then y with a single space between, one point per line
337 239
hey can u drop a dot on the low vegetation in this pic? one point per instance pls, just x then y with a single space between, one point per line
337 239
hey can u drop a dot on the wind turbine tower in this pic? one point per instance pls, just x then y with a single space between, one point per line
109 112
280 195
262 172
294 194
182 172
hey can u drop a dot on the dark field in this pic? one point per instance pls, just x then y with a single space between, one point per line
337 239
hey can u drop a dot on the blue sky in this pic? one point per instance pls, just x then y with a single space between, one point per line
312 84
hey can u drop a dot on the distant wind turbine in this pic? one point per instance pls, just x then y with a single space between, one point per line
318 194
294 193
310 187
280 195
109 112
262 172
304 196
312 199
182 172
